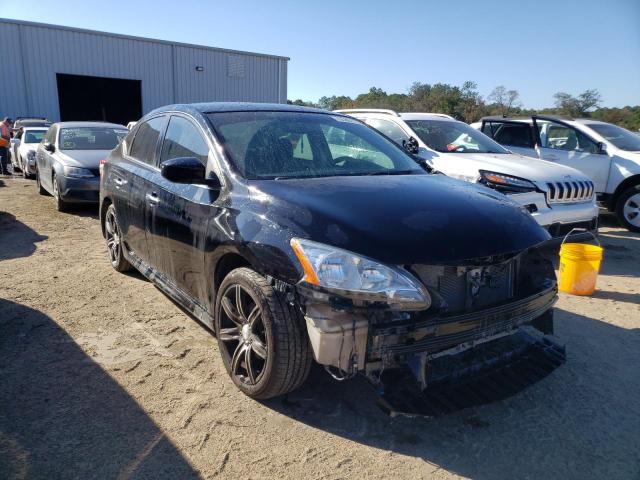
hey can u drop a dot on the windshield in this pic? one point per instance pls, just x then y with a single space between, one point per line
33 136
620 137
453 137
278 145
91 138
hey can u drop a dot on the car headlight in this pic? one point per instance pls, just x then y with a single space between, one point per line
506 183
77 172
349 275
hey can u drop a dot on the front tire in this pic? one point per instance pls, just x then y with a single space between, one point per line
61 205
113 237
262 338
24 169
41 189
628 209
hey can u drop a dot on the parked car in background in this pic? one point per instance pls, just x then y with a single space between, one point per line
23 149
458 151
68 160
21 122
296 233
609 154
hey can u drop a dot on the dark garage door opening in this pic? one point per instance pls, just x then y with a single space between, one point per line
99 98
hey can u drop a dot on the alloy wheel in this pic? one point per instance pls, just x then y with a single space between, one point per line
113 237
631 210
243 335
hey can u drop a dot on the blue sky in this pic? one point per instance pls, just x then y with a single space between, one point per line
538 47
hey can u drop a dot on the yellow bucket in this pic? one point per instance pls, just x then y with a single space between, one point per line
579 267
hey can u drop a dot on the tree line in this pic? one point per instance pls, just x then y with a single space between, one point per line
465 103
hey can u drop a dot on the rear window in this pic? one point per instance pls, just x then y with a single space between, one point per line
91 138
33 136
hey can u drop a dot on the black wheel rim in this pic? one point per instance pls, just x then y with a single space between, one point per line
113 237
242 335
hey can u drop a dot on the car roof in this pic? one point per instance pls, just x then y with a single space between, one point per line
427 116
43 128
214 107
88 124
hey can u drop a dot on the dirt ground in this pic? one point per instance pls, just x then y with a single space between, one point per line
102 376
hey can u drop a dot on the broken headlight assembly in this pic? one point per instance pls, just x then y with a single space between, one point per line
358 278
506 183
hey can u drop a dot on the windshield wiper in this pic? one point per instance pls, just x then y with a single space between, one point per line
391 172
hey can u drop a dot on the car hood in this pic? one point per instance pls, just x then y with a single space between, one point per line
539 171
83 158
399 219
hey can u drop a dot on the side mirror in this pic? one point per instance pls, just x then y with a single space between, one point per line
411 145
602 148
188 170
49 147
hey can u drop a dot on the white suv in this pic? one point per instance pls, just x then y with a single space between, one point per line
609 154
559 198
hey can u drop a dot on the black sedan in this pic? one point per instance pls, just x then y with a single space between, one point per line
298 234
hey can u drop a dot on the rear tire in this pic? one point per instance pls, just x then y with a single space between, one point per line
61 205
628 209
113 237
262 338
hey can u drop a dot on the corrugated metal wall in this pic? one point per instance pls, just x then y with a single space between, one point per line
32 54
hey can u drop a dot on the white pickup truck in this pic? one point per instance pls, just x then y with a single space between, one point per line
609 154
559 198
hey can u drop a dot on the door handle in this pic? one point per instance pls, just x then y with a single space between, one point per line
152 198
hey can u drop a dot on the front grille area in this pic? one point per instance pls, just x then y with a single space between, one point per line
570 192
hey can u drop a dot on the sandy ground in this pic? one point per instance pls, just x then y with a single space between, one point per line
101 376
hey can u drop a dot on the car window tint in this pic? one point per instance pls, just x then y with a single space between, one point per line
183 140
343 143
146 140
267 145
50 136
513 135
562 137
388 128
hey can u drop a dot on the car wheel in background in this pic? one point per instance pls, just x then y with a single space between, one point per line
628 209
113 238
262 338
23 167
41 190
61 205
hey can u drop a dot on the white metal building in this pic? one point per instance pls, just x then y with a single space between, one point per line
67 73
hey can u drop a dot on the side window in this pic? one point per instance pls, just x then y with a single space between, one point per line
145 141
388 128
515 135
50 136
561 137
183 140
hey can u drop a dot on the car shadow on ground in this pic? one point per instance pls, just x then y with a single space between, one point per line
62 416
16 239
81 210
569 425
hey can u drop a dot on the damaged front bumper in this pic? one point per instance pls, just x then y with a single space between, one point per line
447 344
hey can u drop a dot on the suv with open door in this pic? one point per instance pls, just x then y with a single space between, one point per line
609 154
455 149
